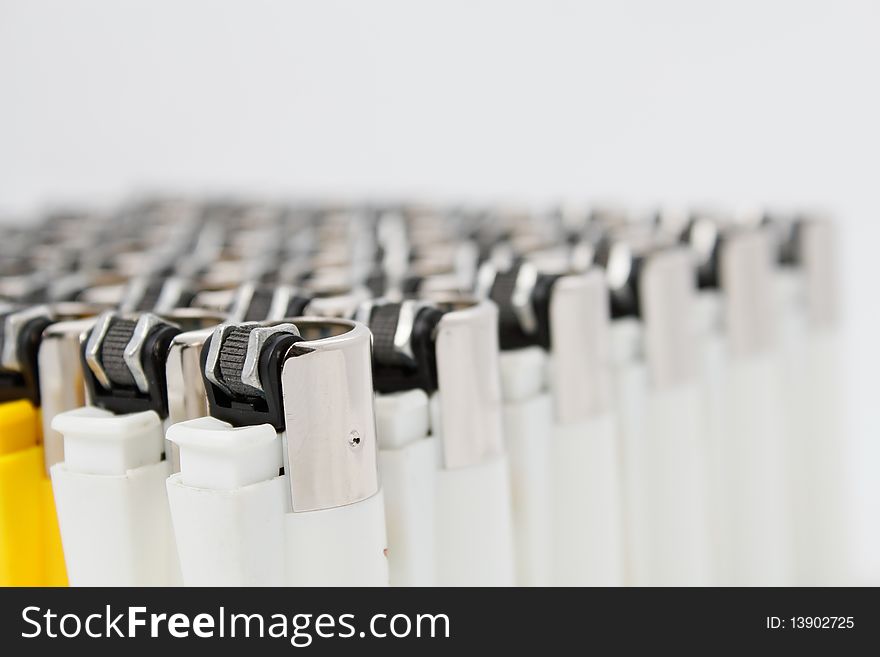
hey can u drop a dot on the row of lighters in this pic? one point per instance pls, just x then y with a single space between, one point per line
236 393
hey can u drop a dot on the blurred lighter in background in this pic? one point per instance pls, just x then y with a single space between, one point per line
659 411
817 443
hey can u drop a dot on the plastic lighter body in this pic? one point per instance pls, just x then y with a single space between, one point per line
527 415
439 428
30 547
409 458
713 358
474 529
630 385
112 510
558 420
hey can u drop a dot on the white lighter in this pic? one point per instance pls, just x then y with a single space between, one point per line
110 485
741 299
807 298
559 426
441 453
752 465
527 414
280 486
658 411
701 233
113 519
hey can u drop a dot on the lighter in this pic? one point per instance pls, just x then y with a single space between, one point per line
813 396
435 367
30 553
280 485
110 487
561 438
658 407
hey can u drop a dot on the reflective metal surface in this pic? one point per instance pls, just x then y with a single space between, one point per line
132 354
250 372
469 386
186 388
61 380
746 263
13 323
818 245
579 330
93 347
328 407
667 292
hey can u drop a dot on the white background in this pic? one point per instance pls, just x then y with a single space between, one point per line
640 101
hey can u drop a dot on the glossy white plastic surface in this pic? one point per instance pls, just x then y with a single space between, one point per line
474 526
110 498
236 529
408 462
587 511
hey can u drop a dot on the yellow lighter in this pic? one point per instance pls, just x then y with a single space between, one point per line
30 545
38 363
